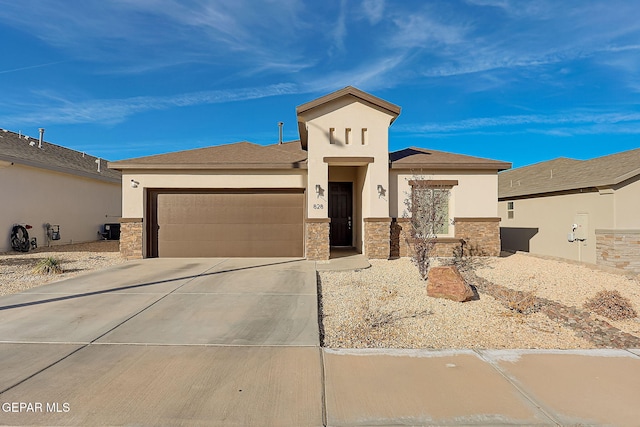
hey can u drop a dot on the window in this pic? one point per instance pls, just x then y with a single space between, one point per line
430 211
332 135
347 135
364 136
430 206
509 210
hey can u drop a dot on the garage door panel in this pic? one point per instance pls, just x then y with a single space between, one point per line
225 215
231 249
228 232
255 224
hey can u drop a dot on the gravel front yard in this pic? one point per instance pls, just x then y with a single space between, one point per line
387 306
15 267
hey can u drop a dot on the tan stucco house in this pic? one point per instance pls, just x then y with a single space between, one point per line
43 183
338 186
583 210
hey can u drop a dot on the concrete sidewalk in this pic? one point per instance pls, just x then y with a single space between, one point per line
235 342
499 387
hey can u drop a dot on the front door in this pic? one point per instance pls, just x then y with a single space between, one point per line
341 213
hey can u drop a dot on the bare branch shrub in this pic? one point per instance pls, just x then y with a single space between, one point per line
517 302
428 207
611 304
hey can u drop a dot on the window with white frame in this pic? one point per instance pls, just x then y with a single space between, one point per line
510 210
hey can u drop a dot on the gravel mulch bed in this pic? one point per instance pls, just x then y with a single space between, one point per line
16 267
568 284
387 306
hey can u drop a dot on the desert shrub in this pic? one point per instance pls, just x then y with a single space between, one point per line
612 305
48 265
517 301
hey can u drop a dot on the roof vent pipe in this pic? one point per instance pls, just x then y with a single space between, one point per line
41 137
280 124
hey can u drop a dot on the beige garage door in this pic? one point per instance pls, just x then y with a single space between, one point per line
247 224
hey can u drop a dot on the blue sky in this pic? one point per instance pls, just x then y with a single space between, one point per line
520 81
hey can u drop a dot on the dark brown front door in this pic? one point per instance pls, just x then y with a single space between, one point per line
341 213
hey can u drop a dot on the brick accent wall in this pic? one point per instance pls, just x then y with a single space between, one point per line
317 239
481 235
377 238
618 249
131 238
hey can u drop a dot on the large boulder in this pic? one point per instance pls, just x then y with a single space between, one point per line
446 282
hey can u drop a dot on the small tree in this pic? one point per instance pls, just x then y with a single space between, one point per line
428 206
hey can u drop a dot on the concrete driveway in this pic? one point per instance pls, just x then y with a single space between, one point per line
235 342
165 341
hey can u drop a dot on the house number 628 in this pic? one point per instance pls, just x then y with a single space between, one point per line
318 206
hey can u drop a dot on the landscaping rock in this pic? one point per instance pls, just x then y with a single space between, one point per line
446 282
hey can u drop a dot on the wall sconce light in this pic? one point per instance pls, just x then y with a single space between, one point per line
381 191
319 190
134 183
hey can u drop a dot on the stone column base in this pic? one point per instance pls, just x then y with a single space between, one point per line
618 249
131 238
482 235
317 239
377 238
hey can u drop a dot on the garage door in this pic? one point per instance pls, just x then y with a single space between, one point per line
260 223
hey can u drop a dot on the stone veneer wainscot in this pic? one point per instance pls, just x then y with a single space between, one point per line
618 249
317 239
131 238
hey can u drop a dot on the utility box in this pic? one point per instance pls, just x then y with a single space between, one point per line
111 231
582 229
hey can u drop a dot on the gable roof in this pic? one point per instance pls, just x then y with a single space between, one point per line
563 174
239 155
392 109
21 149
351 91
421 158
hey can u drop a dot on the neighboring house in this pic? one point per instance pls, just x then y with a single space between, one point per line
43 183
584 210
338 186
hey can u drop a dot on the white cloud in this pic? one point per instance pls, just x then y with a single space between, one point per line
565 123
374 10
60 110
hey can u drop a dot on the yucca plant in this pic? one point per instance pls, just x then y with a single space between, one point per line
48 265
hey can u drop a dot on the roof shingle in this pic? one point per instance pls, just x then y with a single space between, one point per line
563 174
22 149
242 155
421 158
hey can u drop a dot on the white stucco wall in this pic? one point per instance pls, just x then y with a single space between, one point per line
548 221
133 199
339 115
476 194
37 196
